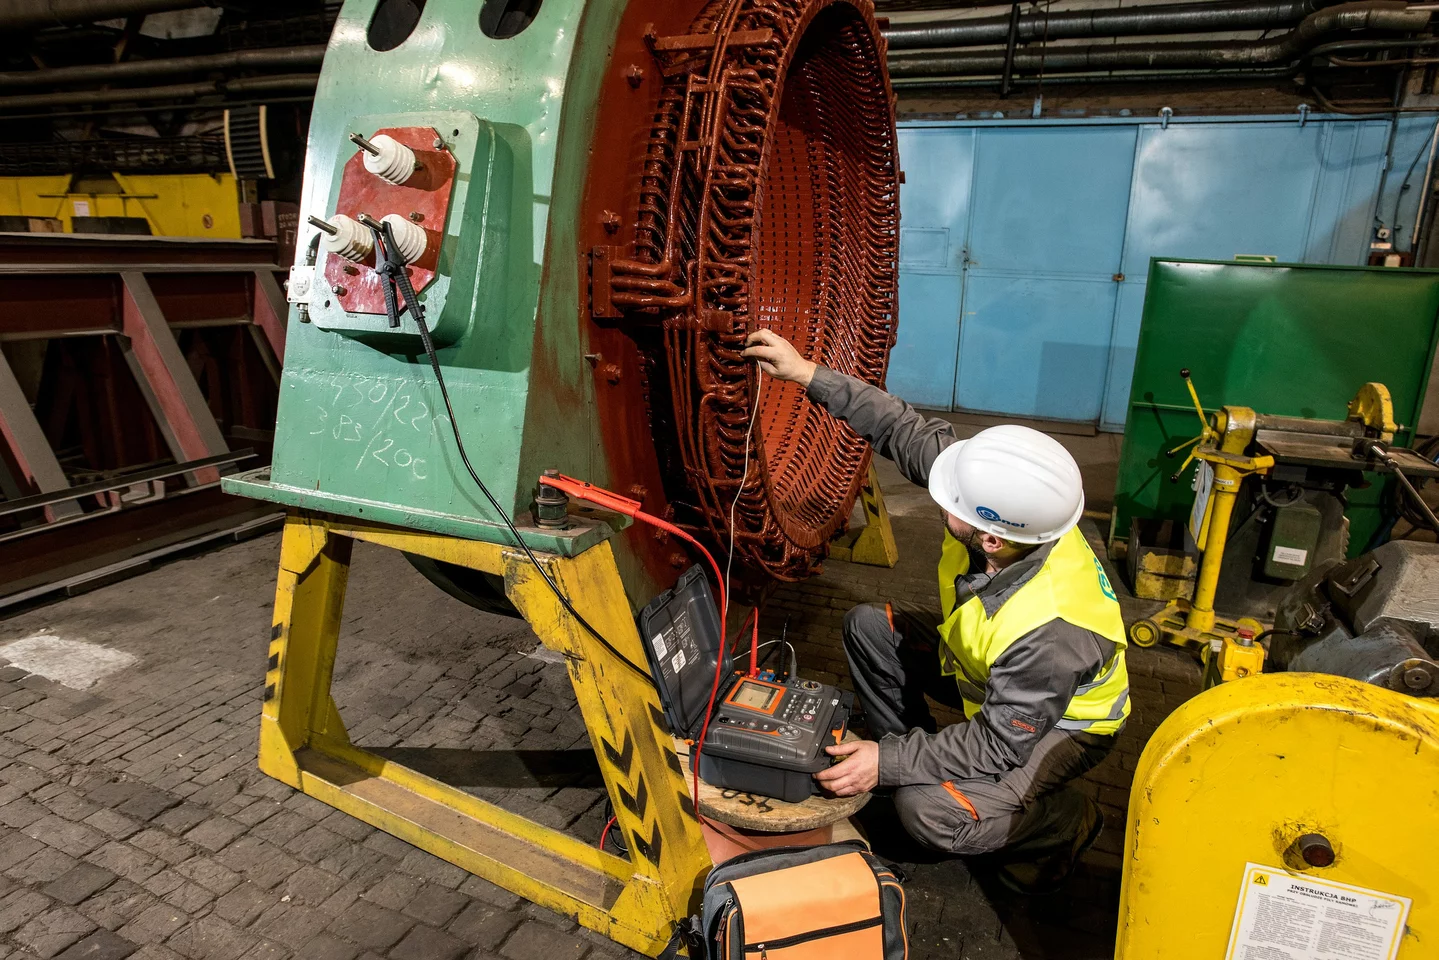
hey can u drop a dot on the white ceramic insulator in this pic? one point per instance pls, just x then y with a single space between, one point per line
351 240
395 162
409 237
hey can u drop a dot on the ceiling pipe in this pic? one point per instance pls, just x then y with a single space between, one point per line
34 14
287 58
177 91
1174 76
1279 51
1130 21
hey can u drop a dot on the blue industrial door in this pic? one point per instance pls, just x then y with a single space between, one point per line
1302 194
1039 286
1024 246
934 215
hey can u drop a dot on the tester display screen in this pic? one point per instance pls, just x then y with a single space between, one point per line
754 696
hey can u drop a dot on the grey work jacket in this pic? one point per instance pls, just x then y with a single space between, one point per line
1032 681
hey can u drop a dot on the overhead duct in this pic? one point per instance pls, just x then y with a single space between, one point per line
1279 51
175 91
34 14
1122 22
286 58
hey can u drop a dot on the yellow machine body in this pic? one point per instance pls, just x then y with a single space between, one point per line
1240 772
1223 444
175 205
1374 407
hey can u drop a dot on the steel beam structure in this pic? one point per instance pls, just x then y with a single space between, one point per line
170 389
304 742
179 313
28 445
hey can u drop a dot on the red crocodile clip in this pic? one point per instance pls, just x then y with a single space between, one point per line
583 490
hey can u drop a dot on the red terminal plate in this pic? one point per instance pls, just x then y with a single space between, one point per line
427 193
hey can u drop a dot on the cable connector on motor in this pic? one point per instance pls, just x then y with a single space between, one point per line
552 504
387 158
584 490
390 265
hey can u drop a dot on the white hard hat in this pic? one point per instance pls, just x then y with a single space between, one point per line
1011 481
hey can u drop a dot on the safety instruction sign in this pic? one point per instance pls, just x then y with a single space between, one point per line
1286 917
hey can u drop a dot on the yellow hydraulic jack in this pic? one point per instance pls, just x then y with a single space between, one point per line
303 740
1226 646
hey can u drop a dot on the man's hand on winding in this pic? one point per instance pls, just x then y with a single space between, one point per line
778 357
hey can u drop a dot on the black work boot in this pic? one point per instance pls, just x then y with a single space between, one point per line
1045 875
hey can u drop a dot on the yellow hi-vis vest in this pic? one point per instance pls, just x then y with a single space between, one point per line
1070 586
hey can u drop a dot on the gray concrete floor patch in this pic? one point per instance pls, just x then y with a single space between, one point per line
74 663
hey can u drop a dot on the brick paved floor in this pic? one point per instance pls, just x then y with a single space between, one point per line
133 820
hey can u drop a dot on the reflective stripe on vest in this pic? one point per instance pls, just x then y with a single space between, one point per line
1071 585
1119 711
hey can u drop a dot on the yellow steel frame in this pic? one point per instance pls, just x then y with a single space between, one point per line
303 740
176 205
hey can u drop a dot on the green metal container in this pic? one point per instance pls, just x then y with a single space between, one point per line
1285 339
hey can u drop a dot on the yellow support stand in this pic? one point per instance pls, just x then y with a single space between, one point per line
873 544
304 744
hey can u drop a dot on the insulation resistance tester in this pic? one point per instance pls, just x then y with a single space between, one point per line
765 737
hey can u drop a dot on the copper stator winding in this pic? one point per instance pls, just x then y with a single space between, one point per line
768 198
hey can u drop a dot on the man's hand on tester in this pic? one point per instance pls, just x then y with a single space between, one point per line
855 771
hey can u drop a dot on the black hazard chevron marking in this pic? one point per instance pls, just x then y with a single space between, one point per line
276 631
657 717
687 804
649 849
623 758
638 803
673 760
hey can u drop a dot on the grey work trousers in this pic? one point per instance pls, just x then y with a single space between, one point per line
1027 812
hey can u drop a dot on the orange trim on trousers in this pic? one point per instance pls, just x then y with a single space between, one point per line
961 799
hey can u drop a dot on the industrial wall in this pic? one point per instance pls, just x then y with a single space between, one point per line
1025 245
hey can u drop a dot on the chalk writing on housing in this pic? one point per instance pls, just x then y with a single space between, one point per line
385 416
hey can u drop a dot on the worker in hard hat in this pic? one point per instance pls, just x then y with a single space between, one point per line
1028 641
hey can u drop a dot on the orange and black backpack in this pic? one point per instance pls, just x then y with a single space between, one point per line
833 902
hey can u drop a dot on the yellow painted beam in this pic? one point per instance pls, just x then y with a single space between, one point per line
309 598
175 205
475 554
623 714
